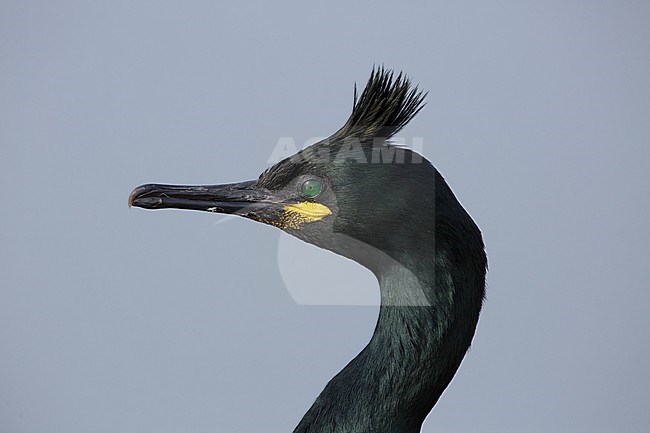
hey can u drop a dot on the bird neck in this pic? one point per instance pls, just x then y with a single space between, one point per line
416 348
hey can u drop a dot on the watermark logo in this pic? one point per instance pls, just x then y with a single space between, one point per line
351 148
335 281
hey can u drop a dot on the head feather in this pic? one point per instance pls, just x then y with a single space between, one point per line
386 105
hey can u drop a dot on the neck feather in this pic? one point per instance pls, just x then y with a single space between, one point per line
422 334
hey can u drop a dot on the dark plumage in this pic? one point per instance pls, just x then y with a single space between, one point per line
390 210
385 107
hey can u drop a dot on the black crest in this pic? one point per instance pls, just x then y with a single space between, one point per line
386 105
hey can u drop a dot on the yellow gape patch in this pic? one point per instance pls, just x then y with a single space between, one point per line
303 212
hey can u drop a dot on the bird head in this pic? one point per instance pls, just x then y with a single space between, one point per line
353 193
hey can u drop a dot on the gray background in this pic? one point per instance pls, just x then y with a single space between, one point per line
118 320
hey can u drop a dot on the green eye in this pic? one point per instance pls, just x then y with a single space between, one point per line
311 188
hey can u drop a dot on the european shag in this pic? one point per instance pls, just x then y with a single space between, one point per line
390 210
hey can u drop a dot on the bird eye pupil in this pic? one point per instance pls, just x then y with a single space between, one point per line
311 188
